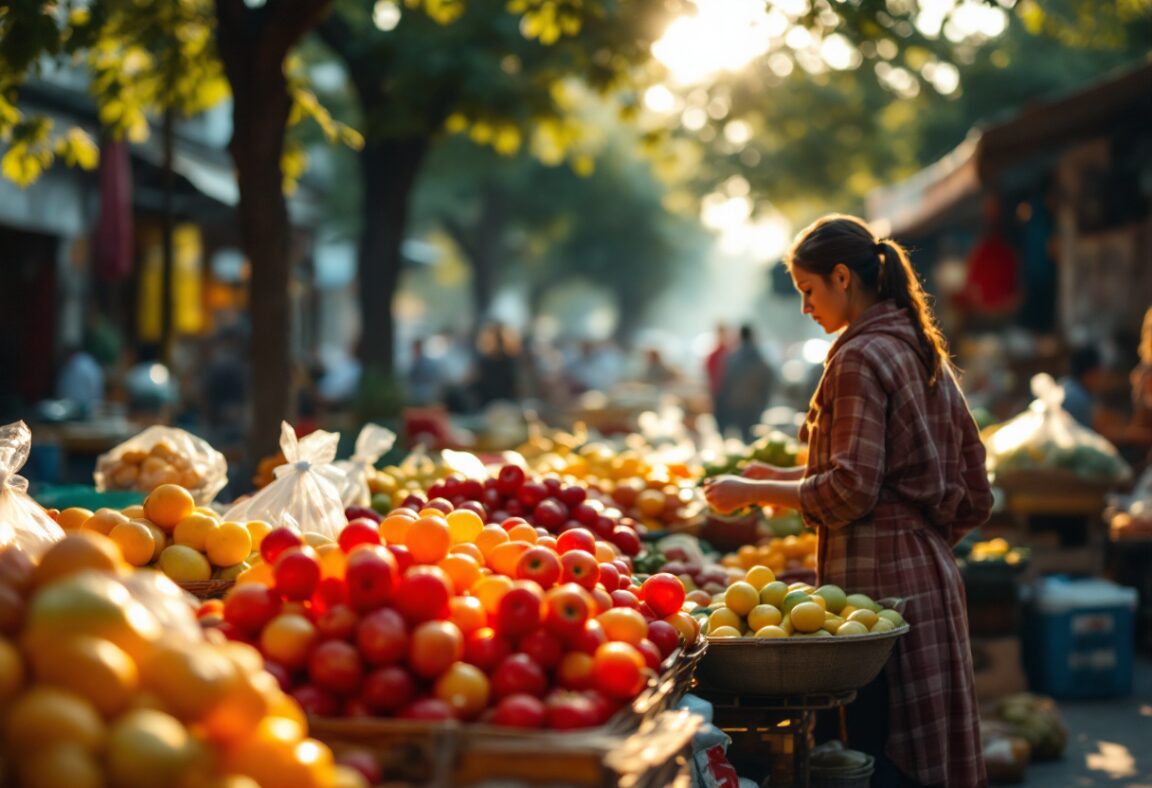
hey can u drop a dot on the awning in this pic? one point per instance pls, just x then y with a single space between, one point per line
917 204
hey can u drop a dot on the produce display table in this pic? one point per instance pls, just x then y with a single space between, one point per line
657 753
771 735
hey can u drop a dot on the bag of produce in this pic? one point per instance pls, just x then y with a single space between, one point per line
23 522
163 455
372 443
306 492
1046 438
1036 719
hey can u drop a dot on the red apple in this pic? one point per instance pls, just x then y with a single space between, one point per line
249 607
651 654
509 479
387 689
519 711
622 598
540 565
403 557
316 702
530 494
573 495
609 576
277 541
297 572
550 513
569 711
429 709
576 539
357 512
359 531
382 637
664 635
424 593
485 649
371 576
544 647
364 762
568 608
664 593
592 638
338 622
336 666
521 609
626 538
518 674
579 567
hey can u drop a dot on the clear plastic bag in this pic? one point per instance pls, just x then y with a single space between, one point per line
372 443
306 492
1045 437
163 455
23 522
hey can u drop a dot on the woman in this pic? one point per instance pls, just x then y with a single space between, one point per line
895 476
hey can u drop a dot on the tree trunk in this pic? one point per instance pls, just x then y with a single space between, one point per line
253 46
389 169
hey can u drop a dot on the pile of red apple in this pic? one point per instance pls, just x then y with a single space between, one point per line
365 629
546 502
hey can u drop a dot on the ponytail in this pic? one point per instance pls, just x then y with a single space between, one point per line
897 280
882 266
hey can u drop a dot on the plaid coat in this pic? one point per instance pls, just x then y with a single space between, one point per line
895 477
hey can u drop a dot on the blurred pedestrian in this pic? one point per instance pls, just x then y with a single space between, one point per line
81 380
657 372
894 478
714 361
1081 383
424 381
225 389
497 364
746 387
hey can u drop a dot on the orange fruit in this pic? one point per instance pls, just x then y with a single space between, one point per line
464 525
470 550
184 565
151 749
503 557
11 672
522 532
168 504
228 544
428 539
189 680
257 530
136 542
489 537
73 518
807 617
103 521
468 613
606 552
394 527
490 590
192 531
463 570
61 764
257 573
75 553
45 716
94 668
624 624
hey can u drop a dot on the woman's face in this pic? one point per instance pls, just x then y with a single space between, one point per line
826 300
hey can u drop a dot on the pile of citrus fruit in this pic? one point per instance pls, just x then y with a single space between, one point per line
780 554
762 606
106 678
189 543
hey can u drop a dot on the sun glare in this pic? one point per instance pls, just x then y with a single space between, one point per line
724 35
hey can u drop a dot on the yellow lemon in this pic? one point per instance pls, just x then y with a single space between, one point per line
865 617
228 544
771 631
763 616
807 617
851 628
741 597
773 593
184 564
723 617
193 530
759 576
724 632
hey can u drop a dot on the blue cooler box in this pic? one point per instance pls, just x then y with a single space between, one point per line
1078 638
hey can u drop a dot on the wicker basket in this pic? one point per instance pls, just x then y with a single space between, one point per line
795 666
207 589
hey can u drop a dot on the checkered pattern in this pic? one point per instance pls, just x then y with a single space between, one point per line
896 476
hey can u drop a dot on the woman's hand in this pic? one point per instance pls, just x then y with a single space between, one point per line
763 471
728 493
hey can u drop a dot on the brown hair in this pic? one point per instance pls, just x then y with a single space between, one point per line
882 267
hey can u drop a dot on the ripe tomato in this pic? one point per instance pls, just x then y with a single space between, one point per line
664 593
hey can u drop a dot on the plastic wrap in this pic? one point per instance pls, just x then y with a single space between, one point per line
306 492
23 522
163 455
1046 438
372 443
